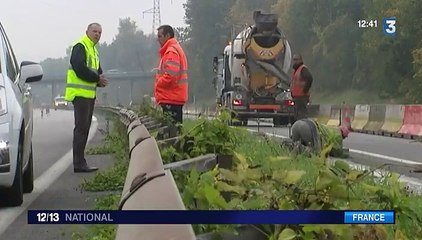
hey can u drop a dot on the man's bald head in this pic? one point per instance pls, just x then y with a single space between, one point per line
94 31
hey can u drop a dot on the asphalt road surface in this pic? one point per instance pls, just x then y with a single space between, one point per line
371 150
56 186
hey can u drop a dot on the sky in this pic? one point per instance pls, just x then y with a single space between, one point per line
38 29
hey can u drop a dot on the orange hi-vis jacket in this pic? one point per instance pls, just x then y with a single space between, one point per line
171 80
298 84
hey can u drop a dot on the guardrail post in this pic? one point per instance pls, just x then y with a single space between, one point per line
225 161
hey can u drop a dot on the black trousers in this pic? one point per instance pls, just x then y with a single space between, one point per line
83 110
176 111
301 107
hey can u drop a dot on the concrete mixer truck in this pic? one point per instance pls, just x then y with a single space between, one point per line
251 75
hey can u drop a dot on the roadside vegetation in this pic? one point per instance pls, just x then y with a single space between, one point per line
265 176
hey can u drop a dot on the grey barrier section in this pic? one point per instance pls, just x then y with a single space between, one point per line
148 186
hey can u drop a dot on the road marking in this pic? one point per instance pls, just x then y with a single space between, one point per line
393 159
42 183
415 183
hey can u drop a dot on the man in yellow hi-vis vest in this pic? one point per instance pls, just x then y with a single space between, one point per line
83 77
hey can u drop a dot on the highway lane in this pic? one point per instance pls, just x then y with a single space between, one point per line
388 146
403 155
52 138
52 146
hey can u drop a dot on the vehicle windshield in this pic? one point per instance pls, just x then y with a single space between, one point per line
60 99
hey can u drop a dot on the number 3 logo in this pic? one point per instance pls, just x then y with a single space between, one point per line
391 26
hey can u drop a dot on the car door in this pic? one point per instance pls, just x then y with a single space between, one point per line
23 95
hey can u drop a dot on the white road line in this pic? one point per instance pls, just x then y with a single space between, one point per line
42 183
414 183
393 159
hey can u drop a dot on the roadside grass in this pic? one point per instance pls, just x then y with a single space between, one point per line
267 176
110 181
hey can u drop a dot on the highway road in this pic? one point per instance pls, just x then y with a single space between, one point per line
56 186
370 150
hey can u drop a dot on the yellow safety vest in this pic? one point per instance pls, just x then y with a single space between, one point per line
76 87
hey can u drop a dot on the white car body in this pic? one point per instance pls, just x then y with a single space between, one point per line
16 123
60 102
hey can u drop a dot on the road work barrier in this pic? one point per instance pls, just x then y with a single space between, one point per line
148 185
394 115
324 113
375 119
361 117
388 120
335 112
412 121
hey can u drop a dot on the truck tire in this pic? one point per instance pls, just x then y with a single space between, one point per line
28 175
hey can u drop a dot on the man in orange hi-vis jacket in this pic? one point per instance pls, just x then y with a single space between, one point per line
171 80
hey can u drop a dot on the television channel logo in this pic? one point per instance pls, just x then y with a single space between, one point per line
389 26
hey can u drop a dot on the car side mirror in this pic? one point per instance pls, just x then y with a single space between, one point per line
30 72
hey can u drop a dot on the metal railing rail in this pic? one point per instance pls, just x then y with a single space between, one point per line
148 185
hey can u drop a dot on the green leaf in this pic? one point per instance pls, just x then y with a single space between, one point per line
339 191
342 165
242 160
354 175
224 187
293 176
285 204
312 228
315 206
325 179
325 152
231 176
253 174
279 175
255 204
370 188
399 235
213 197
287 234
356 205
279 158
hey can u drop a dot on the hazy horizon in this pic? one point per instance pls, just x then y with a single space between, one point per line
45 28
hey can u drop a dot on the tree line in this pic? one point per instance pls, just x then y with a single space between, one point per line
341 55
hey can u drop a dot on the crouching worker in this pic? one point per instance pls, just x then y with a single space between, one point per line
316 136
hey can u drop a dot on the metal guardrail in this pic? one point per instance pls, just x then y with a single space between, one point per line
149 185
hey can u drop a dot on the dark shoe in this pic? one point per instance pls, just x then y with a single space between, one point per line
85 169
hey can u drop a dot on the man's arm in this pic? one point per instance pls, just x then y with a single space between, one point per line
78 62
307 76
171 69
